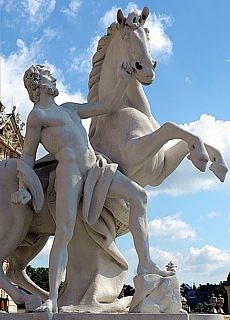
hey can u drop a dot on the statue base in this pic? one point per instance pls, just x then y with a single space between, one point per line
156 294
107 316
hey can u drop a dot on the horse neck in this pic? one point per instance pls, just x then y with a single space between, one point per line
137 98
134 94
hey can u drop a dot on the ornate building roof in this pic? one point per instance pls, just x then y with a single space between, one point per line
11 139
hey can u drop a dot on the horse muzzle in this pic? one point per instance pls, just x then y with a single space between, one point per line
145 74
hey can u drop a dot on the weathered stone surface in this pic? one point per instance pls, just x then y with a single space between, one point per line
106 316
26 316
156 294
206 317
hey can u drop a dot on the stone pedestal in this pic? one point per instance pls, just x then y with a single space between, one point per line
107 316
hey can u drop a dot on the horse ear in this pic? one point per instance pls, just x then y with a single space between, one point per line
120 18
144 15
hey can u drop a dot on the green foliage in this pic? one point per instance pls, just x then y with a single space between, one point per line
39 275
202 307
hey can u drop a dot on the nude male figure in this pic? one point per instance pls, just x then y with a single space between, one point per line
60 131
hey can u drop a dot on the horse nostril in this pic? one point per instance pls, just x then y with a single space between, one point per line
138 66
154 64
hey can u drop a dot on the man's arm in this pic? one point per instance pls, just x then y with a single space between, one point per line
87 110
32 137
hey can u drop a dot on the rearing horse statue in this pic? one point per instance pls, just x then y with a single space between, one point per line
130 136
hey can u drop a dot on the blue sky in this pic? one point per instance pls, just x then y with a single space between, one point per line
189 214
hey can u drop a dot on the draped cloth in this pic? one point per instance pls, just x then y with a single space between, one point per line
96 188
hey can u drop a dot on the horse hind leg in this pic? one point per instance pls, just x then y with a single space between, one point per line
19 296
16 272
16 294
16 226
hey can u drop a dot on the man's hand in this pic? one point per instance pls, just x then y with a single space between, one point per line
22 196
125 70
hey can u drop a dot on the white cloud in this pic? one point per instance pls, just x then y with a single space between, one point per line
109 17
160 44
207 263
198 265
82 62
186 178
72 11
213 214
171 226
31 12
36 9
187 79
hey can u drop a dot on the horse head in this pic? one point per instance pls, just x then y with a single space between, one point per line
126 40
134 45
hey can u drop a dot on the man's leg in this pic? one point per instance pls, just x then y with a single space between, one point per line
127 189
69 185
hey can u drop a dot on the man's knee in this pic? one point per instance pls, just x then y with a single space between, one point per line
141 197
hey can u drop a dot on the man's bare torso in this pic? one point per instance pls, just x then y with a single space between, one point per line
64 136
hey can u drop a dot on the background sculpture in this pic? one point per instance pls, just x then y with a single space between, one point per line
132 138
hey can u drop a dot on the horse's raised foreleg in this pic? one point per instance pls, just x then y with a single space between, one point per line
18 262
150 144
218 166
174 155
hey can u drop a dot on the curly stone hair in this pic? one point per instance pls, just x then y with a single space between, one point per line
32 81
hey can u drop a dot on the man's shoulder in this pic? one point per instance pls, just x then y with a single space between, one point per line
35 116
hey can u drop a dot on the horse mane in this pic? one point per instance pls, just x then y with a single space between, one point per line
97 62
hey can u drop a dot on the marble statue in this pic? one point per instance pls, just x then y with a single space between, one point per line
61 132
122 131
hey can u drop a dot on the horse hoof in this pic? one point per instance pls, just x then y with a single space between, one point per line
219 170
32 302
199 163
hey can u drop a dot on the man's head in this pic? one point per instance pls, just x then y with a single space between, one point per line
38 78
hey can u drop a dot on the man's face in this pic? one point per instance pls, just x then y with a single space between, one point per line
48 82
